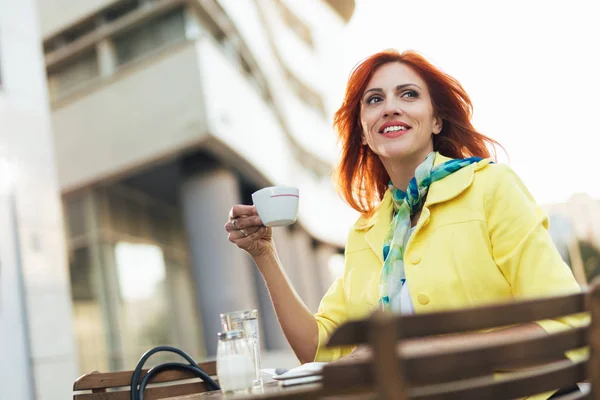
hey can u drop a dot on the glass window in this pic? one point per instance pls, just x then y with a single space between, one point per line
161 226
79 30
81 276
88 313
155 302
75 211
160 32
70 35
120 10
52 44
132 287
128 217
141 271
74 73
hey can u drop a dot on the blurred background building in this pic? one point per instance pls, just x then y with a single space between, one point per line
156 118
575 229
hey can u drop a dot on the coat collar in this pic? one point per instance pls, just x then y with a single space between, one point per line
454 184
441 191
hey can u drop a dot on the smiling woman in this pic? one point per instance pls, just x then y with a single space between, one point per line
420 88
392 109
437 214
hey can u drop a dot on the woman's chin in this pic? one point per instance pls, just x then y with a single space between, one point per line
399 154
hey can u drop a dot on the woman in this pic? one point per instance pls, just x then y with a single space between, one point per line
442 227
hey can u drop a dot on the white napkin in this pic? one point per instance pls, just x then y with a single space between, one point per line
309 369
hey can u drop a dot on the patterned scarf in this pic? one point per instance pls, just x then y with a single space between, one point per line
407 204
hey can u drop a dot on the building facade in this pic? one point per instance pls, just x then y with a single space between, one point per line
36 335
166 113
575 229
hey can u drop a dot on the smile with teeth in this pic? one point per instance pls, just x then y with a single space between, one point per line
395 128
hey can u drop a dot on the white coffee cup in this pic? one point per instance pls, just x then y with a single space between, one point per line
277 205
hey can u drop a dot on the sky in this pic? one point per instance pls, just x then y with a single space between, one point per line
532 69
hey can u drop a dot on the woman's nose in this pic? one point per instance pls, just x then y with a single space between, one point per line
392 108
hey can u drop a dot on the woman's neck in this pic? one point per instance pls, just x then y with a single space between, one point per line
401 175
402 171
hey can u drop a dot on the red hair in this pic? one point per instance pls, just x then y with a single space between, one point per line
361 177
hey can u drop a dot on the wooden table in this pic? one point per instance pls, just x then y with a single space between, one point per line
270 390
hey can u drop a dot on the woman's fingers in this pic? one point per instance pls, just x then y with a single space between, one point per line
245 230
244 222
242 233
246 241
240 210
247 236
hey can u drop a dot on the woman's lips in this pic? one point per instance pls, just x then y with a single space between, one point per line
395 134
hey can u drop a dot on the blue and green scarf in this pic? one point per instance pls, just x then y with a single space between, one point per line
407 204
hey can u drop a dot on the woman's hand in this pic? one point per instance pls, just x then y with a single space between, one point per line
247 231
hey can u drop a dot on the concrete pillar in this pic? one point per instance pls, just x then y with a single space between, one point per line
271 333
16 377
223 278
193 30
287 255
295 251
33 252
107 55
104 272
306 269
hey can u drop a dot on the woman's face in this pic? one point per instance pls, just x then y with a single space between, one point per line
397 115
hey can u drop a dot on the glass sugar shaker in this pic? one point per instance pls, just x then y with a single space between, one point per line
235 369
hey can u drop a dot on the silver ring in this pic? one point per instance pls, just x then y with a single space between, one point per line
233 221
244 232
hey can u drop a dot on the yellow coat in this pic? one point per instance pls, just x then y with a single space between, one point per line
480 239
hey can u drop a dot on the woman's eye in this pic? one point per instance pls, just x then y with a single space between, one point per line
410 94
374 99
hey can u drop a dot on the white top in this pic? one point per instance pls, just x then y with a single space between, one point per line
406 304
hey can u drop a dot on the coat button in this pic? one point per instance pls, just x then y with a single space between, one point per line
415 258
423 298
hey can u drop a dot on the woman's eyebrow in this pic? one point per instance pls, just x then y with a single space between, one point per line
398 88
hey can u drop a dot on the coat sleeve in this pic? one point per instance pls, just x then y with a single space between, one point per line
522 247
335 307
331 314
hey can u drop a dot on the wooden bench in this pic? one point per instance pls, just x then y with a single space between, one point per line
467 372
116 385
